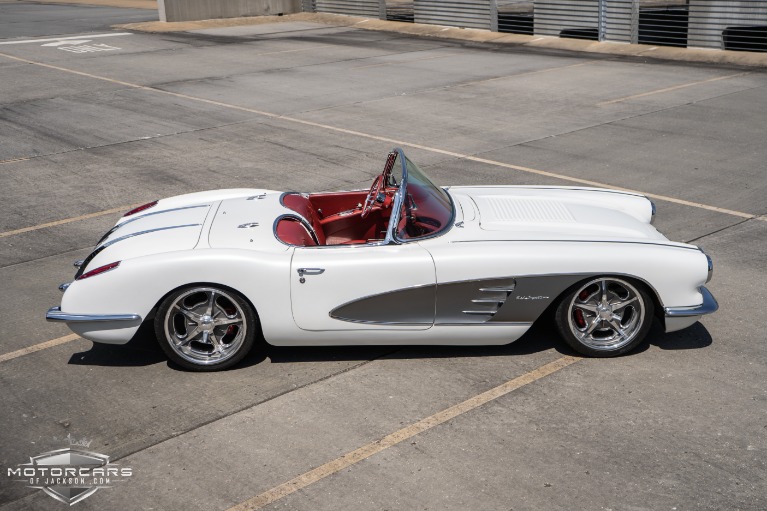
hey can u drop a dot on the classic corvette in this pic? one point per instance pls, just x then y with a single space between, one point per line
405 262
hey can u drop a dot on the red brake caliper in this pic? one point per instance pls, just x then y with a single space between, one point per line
579 319
578 314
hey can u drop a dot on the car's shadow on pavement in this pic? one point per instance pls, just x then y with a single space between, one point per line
692 338
143 349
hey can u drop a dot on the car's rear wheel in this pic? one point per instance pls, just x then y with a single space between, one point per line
205 328
605 316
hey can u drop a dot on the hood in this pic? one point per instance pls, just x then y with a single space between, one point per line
558 213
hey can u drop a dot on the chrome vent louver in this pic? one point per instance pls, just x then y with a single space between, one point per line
495 297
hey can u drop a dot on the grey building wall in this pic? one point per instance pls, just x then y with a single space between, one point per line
192 10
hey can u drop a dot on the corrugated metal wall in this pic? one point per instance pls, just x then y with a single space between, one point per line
574 18
308 6
457 13
723 24
366 8
730 24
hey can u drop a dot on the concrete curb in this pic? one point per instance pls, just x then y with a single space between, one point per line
708 56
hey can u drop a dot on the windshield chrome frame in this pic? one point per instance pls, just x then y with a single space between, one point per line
399 196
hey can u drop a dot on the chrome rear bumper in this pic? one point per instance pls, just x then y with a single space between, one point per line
55 314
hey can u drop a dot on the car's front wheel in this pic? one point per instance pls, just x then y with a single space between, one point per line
205 328
605 316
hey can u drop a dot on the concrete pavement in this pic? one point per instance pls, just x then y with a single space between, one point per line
298 105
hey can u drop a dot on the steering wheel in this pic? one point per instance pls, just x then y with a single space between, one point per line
370 200
379 185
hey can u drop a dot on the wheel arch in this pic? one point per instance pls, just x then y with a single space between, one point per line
649 288
209 284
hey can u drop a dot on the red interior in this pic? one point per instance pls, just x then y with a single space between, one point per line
291 230
334 217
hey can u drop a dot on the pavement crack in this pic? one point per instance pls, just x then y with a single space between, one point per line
723 229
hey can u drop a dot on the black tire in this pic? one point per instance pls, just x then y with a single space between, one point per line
206 327
605 316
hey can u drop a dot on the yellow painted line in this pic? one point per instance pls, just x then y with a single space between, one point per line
15 160
670 89
37 347
368 450
396 63
529 170
121 209
403 143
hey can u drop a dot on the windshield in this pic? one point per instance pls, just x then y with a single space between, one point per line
424 209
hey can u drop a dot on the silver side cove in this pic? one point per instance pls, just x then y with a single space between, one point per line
491 301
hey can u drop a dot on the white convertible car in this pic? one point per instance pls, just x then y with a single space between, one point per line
406 262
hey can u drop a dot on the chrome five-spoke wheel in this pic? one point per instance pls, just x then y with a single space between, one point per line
205 328
605 316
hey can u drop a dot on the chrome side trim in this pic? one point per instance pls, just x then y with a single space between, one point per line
113 229
139 233
708 306
55 314
576 241
565 188
480 313
303 222
109 243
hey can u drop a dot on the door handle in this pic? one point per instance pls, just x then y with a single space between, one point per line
309 271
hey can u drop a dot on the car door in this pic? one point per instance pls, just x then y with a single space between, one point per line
363 287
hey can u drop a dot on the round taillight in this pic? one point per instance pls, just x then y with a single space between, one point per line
141 208
99 270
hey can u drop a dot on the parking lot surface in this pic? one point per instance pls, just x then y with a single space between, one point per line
84 134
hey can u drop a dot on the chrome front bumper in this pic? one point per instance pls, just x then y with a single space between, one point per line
55 314
678 318
708 306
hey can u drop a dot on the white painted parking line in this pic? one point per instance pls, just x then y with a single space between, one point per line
48 40
351 458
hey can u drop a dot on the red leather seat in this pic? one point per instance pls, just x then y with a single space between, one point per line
292 231
301 205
